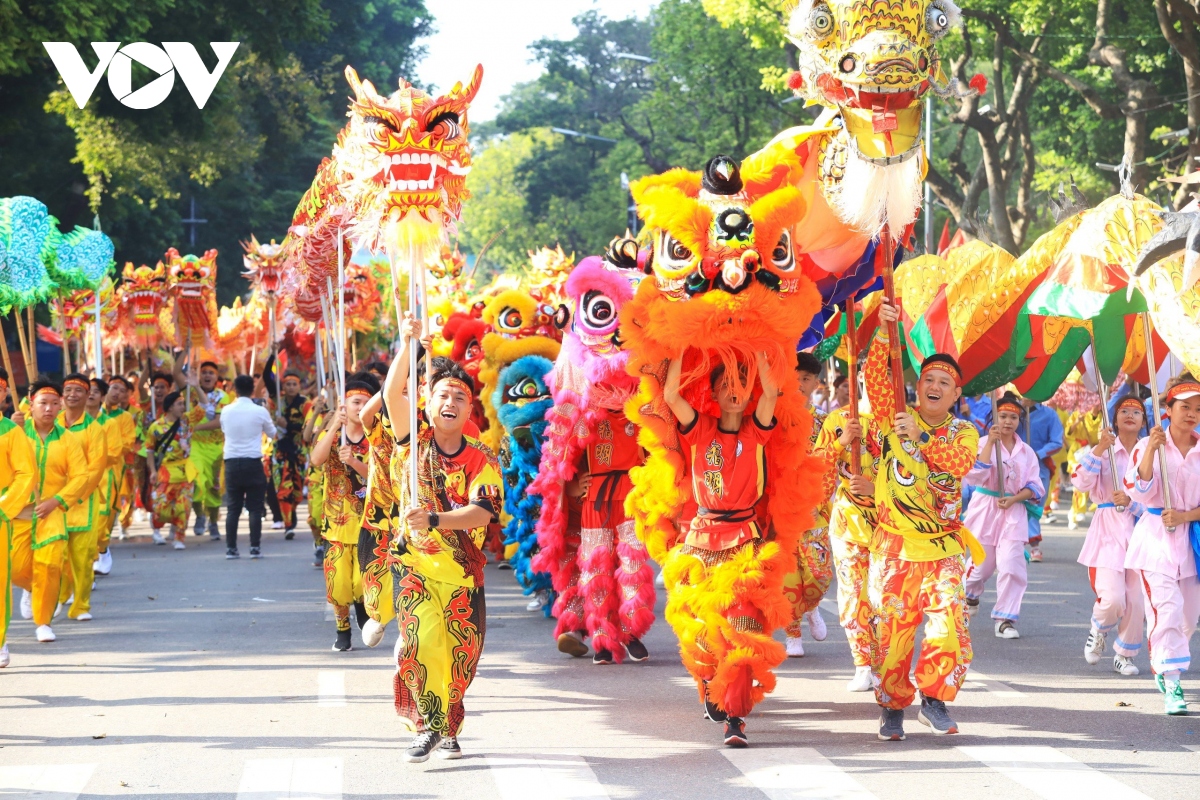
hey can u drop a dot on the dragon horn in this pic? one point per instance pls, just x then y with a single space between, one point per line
472 88
355 83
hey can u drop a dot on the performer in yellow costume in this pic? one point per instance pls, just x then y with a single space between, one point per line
169 466
18 478
814 568
39 541
314 425
917 551
120 428
375 536
208 449
82 517
344 467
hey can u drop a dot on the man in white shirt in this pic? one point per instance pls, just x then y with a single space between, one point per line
244 424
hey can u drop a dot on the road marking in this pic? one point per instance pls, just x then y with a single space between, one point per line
544 778
331 687
45 781
1195 748
1050 774
994 686
330 616
795 773
291 779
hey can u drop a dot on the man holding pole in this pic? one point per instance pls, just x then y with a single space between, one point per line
208 448
916 565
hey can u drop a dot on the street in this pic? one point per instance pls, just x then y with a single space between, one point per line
207 678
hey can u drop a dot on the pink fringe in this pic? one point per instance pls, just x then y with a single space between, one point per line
637 613
602 618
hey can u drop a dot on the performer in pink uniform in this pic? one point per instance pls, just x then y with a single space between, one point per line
1000 523
1119 596
1164 557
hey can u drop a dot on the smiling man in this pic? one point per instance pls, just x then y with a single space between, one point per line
437 560
917 550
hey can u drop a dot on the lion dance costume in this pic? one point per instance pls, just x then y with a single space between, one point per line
589 546
724 277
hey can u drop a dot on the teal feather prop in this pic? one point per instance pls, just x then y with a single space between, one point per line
84 257
29 237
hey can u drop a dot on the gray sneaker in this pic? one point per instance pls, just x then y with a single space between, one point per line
891 724
934 714
424 744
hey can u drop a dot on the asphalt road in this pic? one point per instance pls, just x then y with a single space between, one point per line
205 678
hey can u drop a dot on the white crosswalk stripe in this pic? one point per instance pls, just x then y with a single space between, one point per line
291 779
45 781
1051 774
795 773
544 778
331 687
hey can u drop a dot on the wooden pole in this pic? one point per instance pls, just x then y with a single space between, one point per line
998 451
886 255
30 365
852 380
8 367
1162 453
1108 422
275 353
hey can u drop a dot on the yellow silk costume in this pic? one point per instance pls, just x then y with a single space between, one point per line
18 478
40 545
84 517
120 429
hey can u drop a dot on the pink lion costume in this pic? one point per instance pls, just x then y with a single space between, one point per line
588 544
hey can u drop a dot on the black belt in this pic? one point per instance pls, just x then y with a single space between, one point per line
607 493
727 515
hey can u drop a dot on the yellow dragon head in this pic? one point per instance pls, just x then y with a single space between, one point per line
264 264
192 282
142 295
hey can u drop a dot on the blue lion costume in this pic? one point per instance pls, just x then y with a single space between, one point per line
521 400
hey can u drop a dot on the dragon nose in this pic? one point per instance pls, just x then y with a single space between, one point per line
734 274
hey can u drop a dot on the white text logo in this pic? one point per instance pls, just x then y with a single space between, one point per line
172 57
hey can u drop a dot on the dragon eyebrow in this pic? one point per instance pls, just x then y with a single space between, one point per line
444 115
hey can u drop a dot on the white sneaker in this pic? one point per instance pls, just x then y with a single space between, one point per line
372 633
1005 629
44 634
103 565
58 608
1072 524
277 525
1094 647
180 545
4 657
816 624
540 598
661 581
84 617
1123 665
157 537
795 647
862 680
26 604
120 534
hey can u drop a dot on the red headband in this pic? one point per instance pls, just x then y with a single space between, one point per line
1008 404
459 383
77 382
363 392
52 389
945 367
1131 402
1188 388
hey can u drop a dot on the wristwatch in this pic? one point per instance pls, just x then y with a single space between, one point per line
433 520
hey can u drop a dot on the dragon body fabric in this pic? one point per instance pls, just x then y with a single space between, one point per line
522 399
724 286
589 547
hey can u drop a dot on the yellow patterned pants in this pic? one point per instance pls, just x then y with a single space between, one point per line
377 592
343 581
901 593
852 563
79 572
814 571
442 627
208 458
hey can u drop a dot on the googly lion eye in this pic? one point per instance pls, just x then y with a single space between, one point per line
820 21
524 389
937 21
783 257
676 251
598 309
510 318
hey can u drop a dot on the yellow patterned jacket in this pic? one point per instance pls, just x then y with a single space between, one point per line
62 474
18 471
90 432
853 516
918 486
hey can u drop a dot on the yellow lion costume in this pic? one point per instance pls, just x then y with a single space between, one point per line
725 284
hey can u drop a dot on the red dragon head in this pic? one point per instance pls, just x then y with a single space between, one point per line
404 154
142 295
192 285
264 265
362 297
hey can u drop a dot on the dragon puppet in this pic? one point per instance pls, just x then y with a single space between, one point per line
192 288
591 551
395 182
724 286
73 309
142 300
463 333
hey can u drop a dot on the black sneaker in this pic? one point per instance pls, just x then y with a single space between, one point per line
711 710
449 749
232 552
255 552
424 744
360 611
318 557
343 641
891 724
214 536
636 650
934 714
735 732
504 565
602 656
289 534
